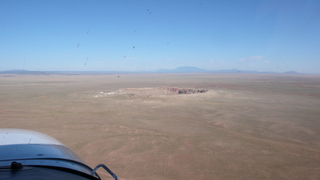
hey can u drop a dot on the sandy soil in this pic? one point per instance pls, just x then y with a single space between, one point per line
244 127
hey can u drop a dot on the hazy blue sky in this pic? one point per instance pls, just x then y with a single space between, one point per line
78 35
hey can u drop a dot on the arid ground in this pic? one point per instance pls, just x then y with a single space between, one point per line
245 127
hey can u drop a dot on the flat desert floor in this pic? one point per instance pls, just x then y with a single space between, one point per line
245 127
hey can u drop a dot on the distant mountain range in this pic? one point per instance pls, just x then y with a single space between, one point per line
22 71
181 69
188 69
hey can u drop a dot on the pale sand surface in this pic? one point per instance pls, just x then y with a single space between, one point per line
244 127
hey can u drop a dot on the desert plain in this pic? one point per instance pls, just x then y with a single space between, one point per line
246 126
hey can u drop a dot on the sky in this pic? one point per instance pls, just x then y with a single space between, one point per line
147 35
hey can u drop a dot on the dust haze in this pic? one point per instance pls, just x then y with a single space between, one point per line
175 126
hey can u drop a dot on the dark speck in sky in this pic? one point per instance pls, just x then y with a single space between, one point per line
78 45
124 56
133 47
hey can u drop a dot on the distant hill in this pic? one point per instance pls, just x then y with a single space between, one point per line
183 69
188 69
243 71
17 70
22 71
291 72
